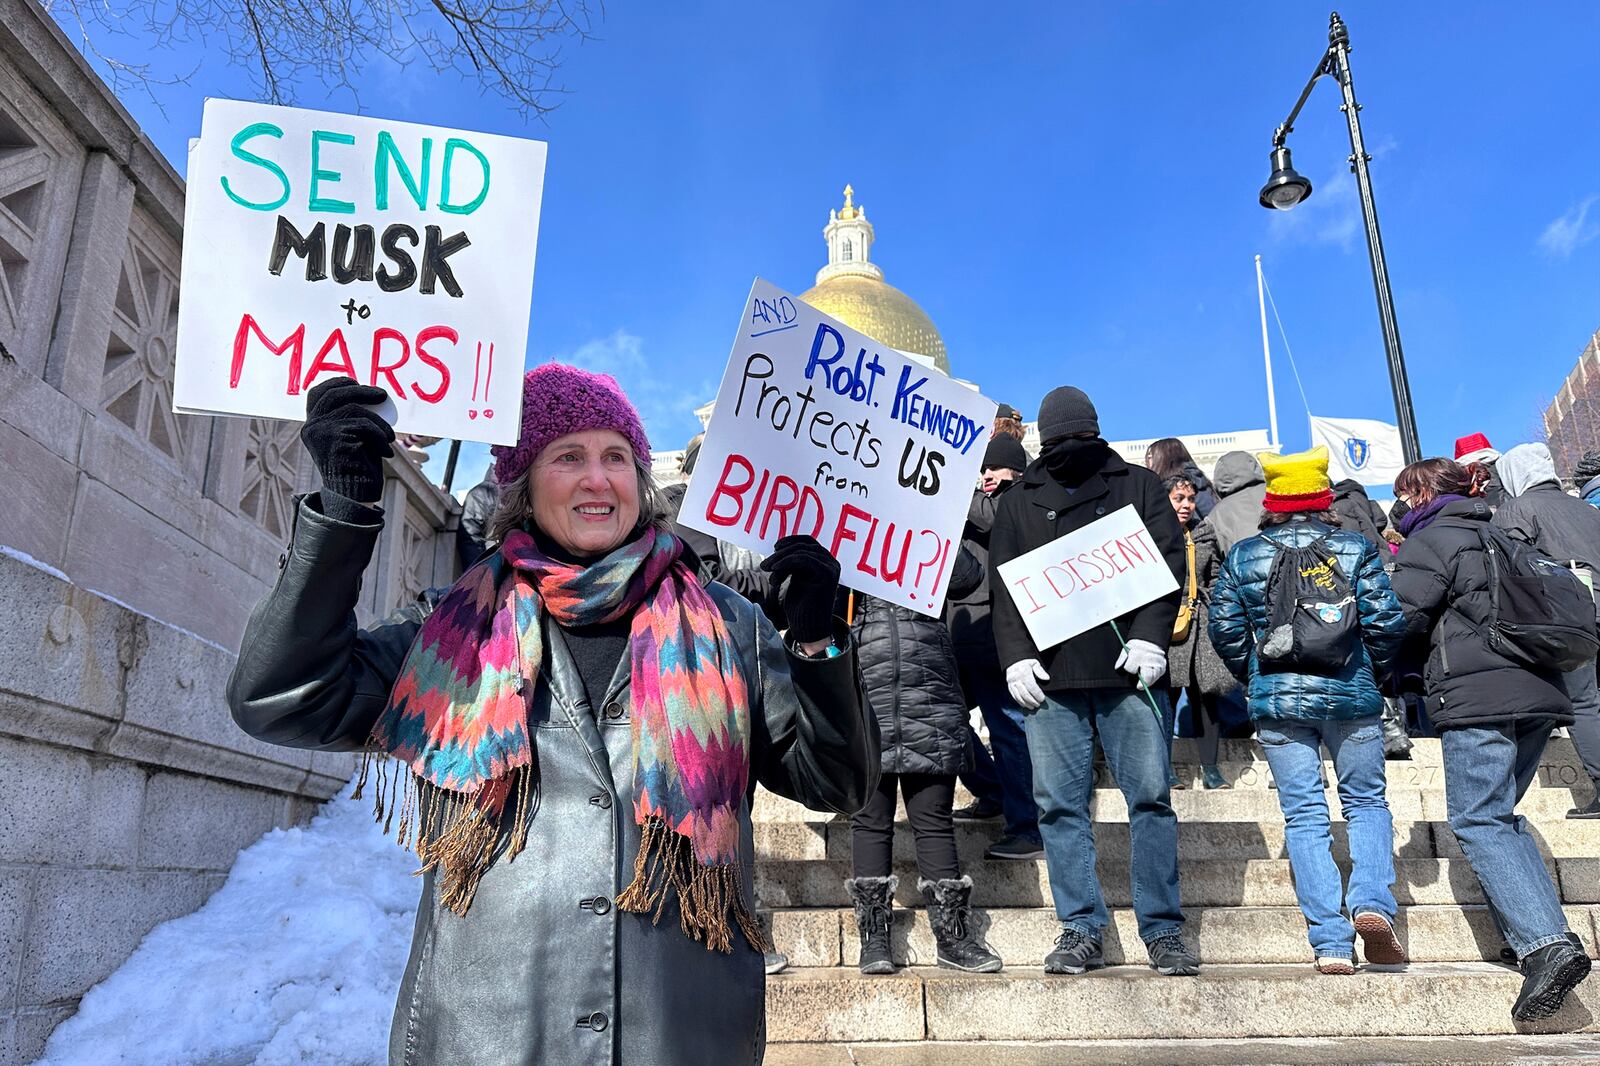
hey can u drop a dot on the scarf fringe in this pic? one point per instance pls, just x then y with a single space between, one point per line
456 833
666 863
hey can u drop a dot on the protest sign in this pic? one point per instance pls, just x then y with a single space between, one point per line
1087 578
318 245
819 429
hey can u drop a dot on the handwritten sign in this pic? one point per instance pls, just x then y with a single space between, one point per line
318 245
819 429
1087 578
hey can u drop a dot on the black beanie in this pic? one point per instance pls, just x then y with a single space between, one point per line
1065 411
1588 467
1005 452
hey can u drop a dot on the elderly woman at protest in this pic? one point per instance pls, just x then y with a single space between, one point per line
576 728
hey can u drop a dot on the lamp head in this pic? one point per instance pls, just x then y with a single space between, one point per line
1286 187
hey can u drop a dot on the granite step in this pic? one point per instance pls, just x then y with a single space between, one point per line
1204 882
1231 805
838 1004
1023 936
829 838
1262 1051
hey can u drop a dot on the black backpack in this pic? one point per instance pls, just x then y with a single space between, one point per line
1312 624
1541 614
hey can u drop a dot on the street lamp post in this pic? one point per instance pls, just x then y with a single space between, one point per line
1286 188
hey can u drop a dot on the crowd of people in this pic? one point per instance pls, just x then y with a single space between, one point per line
604 688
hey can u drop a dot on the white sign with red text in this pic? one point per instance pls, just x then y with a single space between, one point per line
1087 578
318 245
819 429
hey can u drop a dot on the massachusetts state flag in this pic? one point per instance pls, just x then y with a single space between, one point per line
1360 449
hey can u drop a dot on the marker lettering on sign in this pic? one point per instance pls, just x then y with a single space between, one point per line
333 356
457 163
774 506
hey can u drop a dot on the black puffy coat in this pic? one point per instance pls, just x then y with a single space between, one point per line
1358 514
1442 579
908 669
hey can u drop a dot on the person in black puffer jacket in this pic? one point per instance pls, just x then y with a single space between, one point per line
1493 716
908 669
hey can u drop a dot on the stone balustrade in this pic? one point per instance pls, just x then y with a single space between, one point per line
133 543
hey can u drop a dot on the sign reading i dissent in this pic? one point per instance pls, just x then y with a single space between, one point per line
1087 578
319 245
819 429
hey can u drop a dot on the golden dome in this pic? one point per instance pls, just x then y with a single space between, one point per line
882 312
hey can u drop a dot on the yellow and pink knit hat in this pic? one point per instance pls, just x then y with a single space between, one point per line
1297 482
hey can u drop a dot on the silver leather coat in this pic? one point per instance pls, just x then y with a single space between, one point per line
543 969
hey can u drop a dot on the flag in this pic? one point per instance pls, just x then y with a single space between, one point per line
1360 449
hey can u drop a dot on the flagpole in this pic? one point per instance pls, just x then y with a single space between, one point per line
1266 354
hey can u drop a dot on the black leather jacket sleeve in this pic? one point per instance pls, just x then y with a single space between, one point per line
307 677
816 740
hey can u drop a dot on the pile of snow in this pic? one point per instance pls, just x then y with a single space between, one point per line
295 960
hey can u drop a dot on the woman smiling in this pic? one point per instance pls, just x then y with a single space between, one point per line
576 729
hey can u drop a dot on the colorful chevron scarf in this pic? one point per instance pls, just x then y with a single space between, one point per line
458 718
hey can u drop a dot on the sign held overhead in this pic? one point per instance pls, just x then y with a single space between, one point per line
320 245
819 429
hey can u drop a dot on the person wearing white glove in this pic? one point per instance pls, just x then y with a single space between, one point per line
1143 660
1023 680
1097 686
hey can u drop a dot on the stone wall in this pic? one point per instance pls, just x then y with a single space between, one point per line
133 543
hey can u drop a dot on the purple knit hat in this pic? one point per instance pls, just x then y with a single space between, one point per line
558 399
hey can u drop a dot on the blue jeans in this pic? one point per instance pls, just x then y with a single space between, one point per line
1008 777
1486 771
1061 736
1294 751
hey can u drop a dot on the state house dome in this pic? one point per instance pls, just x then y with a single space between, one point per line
851 288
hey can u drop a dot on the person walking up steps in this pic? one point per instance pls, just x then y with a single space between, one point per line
1493 712
1303 614
1566 529
1091 684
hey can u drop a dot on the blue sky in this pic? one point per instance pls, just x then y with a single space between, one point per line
1069 192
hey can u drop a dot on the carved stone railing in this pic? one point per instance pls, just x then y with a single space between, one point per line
136 541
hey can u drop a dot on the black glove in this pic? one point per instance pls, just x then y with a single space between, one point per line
810 579
347 439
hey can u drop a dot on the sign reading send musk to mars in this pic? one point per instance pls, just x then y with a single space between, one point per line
821 430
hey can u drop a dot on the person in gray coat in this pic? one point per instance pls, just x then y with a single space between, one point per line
1565 528
1240 487
579 724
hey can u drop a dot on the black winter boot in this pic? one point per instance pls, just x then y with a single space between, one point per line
874 899
950 914
1547 976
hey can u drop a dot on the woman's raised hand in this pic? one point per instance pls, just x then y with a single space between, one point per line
811 579
347 438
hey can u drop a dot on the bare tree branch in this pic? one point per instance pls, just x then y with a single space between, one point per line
511 48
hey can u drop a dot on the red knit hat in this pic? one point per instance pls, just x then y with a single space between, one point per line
1469 445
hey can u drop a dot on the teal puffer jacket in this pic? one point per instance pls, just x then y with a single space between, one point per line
1239 611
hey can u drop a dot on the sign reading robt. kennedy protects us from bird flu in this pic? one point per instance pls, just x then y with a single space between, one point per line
1087 578
821 430
319 245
